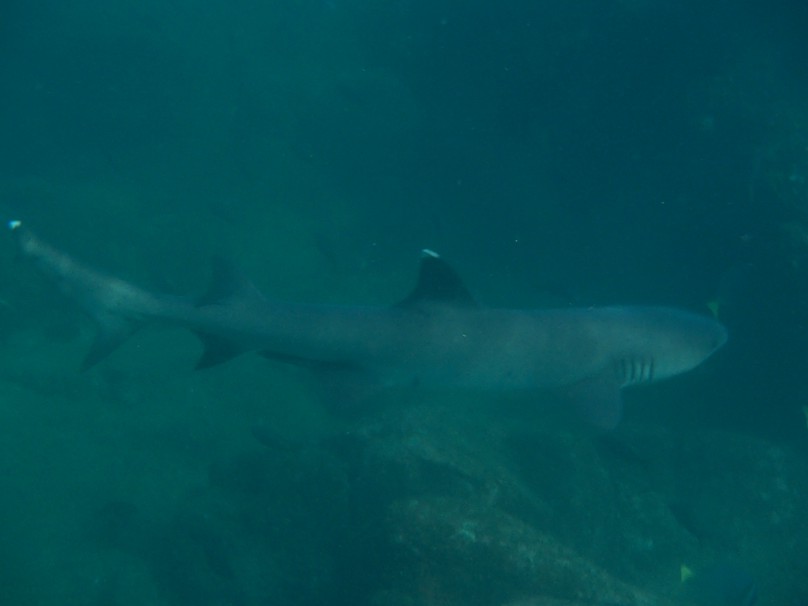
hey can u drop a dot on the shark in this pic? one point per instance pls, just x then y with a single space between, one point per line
438 336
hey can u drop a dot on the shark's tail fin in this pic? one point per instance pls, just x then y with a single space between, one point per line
113 304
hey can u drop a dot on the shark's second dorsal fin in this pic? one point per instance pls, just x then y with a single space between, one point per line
229 285
438 283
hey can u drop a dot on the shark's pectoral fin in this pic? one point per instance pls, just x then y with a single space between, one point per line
598 401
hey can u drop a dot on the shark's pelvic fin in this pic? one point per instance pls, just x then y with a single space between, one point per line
217 351
111 332
438 283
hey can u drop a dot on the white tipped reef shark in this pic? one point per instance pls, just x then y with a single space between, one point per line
437 336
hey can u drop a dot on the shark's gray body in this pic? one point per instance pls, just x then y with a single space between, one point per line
438 336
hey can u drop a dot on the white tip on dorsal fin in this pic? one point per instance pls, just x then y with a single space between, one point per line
425 252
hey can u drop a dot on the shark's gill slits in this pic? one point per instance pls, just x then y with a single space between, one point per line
646 374
631 370
642 369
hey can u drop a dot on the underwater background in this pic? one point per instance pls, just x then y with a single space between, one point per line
577 153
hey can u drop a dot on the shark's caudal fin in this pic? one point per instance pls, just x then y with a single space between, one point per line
103 298
118 307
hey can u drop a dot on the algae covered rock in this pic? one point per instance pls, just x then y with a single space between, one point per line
473 554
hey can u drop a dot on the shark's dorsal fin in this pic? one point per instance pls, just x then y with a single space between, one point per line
229 285
438 283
